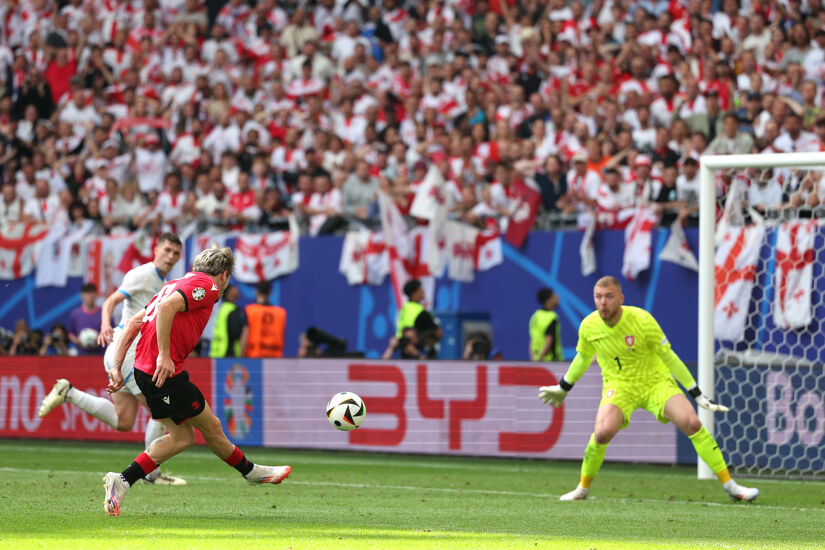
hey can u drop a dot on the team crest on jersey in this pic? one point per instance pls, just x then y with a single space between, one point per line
630 340
198 294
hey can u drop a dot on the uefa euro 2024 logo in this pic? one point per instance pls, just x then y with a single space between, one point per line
238 403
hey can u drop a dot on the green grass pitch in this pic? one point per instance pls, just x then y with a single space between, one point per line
51 496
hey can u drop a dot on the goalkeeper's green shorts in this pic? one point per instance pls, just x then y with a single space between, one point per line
651 398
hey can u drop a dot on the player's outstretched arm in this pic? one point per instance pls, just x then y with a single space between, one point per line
554 395
106 332
130 331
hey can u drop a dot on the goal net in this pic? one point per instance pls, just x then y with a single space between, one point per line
762 311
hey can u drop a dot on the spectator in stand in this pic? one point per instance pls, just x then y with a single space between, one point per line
731 141
86 317
765 193
324 209
553 183
214 205
56 342
11 207
359 194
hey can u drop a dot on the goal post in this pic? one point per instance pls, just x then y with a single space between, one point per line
742 437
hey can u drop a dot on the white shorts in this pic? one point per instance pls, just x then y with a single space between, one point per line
128 366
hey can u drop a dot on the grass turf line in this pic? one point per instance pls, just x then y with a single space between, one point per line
51 497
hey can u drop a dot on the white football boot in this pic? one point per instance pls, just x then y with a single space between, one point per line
739 493
159 478
55 398
267 474
579 493
115 492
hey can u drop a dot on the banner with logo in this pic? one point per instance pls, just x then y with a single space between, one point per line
445 407
24 381
238 400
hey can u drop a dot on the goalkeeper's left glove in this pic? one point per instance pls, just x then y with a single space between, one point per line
704 402
554 395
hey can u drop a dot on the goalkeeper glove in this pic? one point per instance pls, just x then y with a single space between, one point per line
704 402
554 395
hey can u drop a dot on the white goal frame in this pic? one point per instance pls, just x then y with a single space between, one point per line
708 165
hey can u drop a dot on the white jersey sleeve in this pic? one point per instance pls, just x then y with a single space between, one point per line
139 286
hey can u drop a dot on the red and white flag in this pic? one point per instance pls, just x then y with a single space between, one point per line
735 264
587 251
406 252
488 249
140 251
19 243
794 274
264 257
677 249
364 258
637 240
526 203
57 253
206 240
461 250
103 257
432 203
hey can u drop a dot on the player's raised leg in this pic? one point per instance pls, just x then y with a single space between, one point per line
609 419
99 407
679 411
209 425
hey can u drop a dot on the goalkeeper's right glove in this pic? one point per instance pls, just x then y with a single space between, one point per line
704 402
554 395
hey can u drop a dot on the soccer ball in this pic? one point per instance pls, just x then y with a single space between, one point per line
88 338
346 411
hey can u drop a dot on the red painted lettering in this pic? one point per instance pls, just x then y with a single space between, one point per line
468 410
530 442
381 405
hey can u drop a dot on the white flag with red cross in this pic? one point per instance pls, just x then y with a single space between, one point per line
264 257
794 274
461 250
736 257
364 258
19 243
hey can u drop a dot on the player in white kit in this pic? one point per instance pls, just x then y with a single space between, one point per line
138 288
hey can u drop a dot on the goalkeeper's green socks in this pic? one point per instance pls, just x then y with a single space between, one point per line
708 450
593 458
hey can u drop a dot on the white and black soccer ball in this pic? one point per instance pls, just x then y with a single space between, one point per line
346 411
88 338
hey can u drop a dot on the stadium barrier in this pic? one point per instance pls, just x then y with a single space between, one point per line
437 407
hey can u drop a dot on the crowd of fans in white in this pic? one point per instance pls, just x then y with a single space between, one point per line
154 113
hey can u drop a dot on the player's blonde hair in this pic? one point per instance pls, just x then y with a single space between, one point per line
214 261
609 281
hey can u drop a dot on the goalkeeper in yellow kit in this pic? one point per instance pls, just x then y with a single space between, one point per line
638 368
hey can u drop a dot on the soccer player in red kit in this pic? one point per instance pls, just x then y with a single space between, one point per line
170 328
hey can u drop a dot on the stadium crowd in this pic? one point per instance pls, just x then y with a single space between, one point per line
153 113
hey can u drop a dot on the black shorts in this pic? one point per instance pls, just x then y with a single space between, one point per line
178 399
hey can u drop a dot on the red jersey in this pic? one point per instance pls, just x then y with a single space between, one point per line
200 293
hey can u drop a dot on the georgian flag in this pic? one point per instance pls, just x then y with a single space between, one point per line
19 243
264 257
103 257
736 257
364 258
677 249
637 241
461 250
57 252
432 203
794 274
